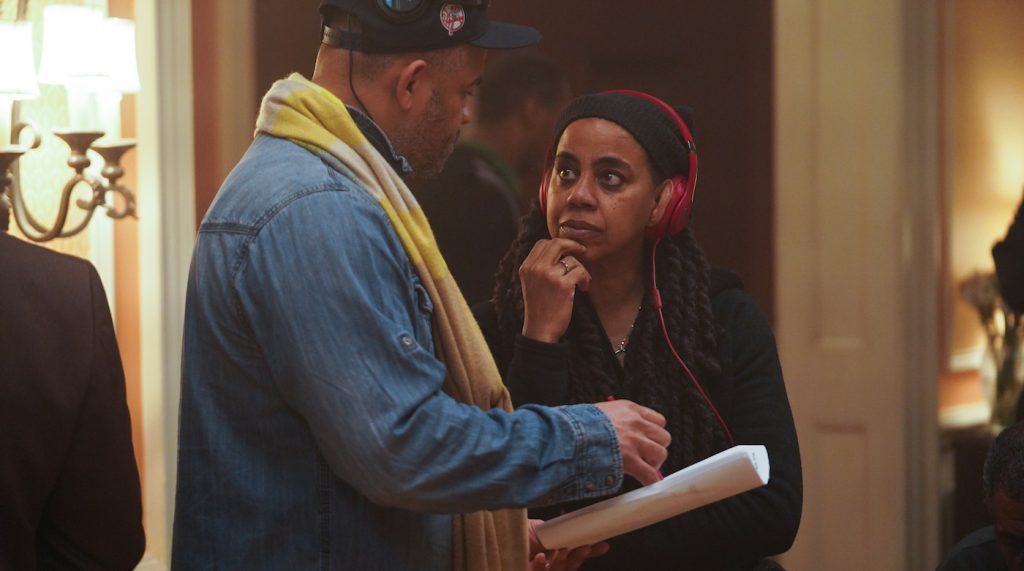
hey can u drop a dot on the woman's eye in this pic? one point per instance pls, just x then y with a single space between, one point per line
610 178
566 174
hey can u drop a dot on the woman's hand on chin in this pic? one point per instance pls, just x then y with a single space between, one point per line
549 277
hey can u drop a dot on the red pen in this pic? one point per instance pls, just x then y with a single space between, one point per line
660 477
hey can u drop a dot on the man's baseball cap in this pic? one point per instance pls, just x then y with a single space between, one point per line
395 26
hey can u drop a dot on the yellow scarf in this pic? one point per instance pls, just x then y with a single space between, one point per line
309 115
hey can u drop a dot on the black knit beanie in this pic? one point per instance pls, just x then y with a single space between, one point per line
655 130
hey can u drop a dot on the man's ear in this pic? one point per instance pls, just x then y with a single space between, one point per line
409 78
662 196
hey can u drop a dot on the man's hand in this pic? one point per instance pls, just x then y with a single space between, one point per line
560 559
642 438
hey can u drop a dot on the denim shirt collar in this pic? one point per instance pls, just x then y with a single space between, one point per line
379 139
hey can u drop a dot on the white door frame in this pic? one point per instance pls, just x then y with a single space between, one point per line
922 254
166 235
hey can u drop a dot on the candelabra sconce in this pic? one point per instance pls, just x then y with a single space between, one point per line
80 142
93 58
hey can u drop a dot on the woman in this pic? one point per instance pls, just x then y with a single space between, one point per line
574 319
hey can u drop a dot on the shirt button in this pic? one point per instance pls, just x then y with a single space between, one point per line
589 486
407 341
609 481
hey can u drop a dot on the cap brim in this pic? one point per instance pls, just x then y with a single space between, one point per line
503 36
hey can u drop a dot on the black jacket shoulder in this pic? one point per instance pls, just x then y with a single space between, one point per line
68 467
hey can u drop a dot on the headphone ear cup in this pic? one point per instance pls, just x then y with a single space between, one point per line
673 218
542 193
683 208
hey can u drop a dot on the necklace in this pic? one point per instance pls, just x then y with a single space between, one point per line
621 348
622 344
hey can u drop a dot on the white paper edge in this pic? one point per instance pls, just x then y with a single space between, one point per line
602 520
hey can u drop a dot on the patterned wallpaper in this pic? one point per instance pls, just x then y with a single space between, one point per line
8 10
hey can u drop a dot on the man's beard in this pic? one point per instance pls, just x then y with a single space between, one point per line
425 144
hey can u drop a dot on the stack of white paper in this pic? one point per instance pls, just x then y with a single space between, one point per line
725 474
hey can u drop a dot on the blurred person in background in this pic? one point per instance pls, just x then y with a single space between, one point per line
998 547
1009 258
475 204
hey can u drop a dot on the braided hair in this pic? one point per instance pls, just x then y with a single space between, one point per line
653 377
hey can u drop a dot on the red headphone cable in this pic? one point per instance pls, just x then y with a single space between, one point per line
671 347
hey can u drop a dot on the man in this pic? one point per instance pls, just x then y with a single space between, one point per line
999 547
338 402
475 204
69 486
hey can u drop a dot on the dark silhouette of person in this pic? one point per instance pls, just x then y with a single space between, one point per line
475 204
69 485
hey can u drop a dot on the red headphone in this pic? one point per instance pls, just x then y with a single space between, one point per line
677 213
672 222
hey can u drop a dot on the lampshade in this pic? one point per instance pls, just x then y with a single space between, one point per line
17 66
84 50
117 54
71 54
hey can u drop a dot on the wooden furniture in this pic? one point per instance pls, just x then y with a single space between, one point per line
963 458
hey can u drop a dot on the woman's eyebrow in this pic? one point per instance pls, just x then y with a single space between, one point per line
613 162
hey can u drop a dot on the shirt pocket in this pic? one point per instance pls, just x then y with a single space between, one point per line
423 315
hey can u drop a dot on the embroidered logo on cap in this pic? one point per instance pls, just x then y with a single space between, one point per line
453 18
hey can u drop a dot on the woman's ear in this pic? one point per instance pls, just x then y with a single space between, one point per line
662 196
408 84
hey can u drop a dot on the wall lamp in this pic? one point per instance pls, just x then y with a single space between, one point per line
93 58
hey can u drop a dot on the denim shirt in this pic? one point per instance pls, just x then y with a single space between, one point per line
314 431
